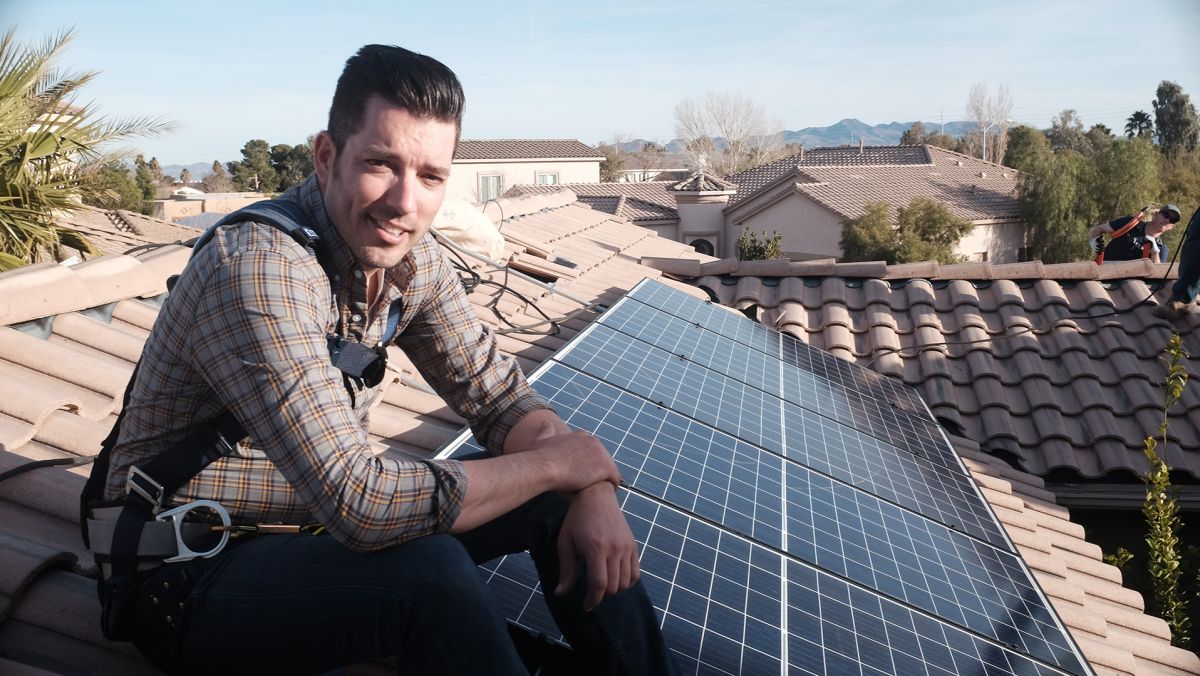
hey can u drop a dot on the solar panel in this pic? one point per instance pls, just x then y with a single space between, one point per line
896 418
778 539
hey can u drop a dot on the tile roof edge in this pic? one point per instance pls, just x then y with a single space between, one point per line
57 289
1134 620
529 203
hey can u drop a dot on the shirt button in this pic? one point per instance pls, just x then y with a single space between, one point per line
357 318
358 274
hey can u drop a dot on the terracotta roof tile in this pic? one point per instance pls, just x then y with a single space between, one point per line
520 149
117 231
638 201
40 506
1014 361
702 182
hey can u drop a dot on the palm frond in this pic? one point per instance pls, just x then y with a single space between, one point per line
49 146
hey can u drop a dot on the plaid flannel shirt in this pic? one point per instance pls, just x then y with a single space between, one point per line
245 329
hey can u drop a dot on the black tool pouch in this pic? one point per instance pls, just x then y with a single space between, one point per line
146 608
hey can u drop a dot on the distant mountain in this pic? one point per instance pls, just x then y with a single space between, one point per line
198 169
845 132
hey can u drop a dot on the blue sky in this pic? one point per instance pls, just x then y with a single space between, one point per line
228 72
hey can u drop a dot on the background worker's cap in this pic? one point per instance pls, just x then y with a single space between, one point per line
1172 211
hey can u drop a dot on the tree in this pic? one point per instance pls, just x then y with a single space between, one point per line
144 178
1099 137
114 188
612 167
924 230
1124 178
929 232
942 141
870 237
254 170
1175 119
185 176
1054 198
292 164
51 150
1025 144
217 180
1066 132
990 111
751 248
914 135
727 133
1139 125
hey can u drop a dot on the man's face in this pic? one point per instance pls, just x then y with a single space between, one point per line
384 187
1159 224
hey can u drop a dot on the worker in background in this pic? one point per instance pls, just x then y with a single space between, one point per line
1131 238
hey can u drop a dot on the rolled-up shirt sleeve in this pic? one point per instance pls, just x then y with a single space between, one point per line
457 354
259 340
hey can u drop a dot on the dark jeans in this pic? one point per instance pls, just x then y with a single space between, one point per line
293 604
1187 287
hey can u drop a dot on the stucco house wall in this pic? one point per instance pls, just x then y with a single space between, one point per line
812 231
809 230
465 174
1001 241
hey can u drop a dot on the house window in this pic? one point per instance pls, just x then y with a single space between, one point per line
704 246
490 186
547 178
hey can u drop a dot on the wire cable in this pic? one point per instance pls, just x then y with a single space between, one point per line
53 462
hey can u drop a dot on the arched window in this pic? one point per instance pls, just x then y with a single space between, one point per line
704 246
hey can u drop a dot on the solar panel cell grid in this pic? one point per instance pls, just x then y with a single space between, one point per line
719 353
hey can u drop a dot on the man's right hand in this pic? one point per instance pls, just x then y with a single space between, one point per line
1098 244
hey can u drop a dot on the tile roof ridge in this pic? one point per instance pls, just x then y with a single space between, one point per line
930 149
527 203
119 221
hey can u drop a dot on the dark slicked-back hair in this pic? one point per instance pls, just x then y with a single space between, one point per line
423 86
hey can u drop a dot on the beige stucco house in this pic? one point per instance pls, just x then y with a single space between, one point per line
807 197
485 169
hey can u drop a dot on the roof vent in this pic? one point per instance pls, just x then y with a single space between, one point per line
1006 175
861 143
983 174
958 163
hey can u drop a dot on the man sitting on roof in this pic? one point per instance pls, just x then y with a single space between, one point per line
1133 239
250 329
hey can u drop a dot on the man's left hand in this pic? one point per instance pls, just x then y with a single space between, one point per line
596 531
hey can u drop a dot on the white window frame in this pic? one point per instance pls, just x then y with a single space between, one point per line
483 197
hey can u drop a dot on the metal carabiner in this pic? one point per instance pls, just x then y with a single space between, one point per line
176 516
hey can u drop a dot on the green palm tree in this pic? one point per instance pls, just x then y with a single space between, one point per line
50 149
1139 124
